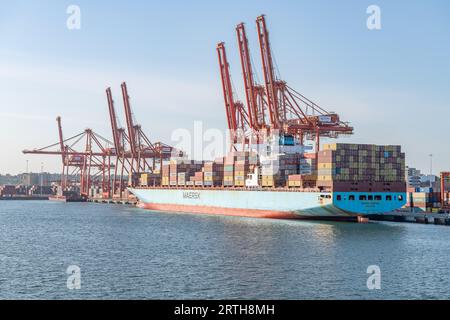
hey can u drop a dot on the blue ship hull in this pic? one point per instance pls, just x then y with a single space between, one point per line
270 203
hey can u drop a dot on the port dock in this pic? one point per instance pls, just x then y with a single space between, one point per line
414 217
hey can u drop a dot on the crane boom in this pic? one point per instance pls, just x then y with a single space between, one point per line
247 75
237 117
129 119
61 140
291 112
268 71
114 126
254 92
227 87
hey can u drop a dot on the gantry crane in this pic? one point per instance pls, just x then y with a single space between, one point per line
120 138
291 112
130 153
92 163
135 152
145 154
273 109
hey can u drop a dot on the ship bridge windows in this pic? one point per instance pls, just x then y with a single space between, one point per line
400 198
388 198
365 197
351 197
338 197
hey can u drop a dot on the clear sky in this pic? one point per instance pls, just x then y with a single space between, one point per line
392 84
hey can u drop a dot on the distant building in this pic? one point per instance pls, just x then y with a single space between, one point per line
413 177
418 180
36 179
9 179
30 179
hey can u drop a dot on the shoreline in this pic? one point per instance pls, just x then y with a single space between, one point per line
17 198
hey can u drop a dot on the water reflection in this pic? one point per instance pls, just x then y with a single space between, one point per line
131 253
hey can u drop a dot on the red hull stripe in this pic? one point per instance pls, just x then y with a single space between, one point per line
251 213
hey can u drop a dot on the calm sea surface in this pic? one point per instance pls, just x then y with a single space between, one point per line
129 253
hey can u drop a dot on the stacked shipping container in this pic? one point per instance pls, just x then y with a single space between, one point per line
7 190
165 175
196 179
179 171
150 179
275 172
424 201
338 167
237 165
350 167
213 173
307 177
245 164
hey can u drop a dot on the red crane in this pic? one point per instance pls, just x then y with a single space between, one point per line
89 155
237 117
254 92
92 163
273 88
114 126
63 153
131 127
143 155
291 112
120 138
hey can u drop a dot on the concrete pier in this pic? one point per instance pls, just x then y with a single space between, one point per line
415 217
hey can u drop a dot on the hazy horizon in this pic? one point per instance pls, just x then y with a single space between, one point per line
390 84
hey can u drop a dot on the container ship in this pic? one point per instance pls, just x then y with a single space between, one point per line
340 182
274 175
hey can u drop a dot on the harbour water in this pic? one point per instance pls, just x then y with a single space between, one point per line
128 253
